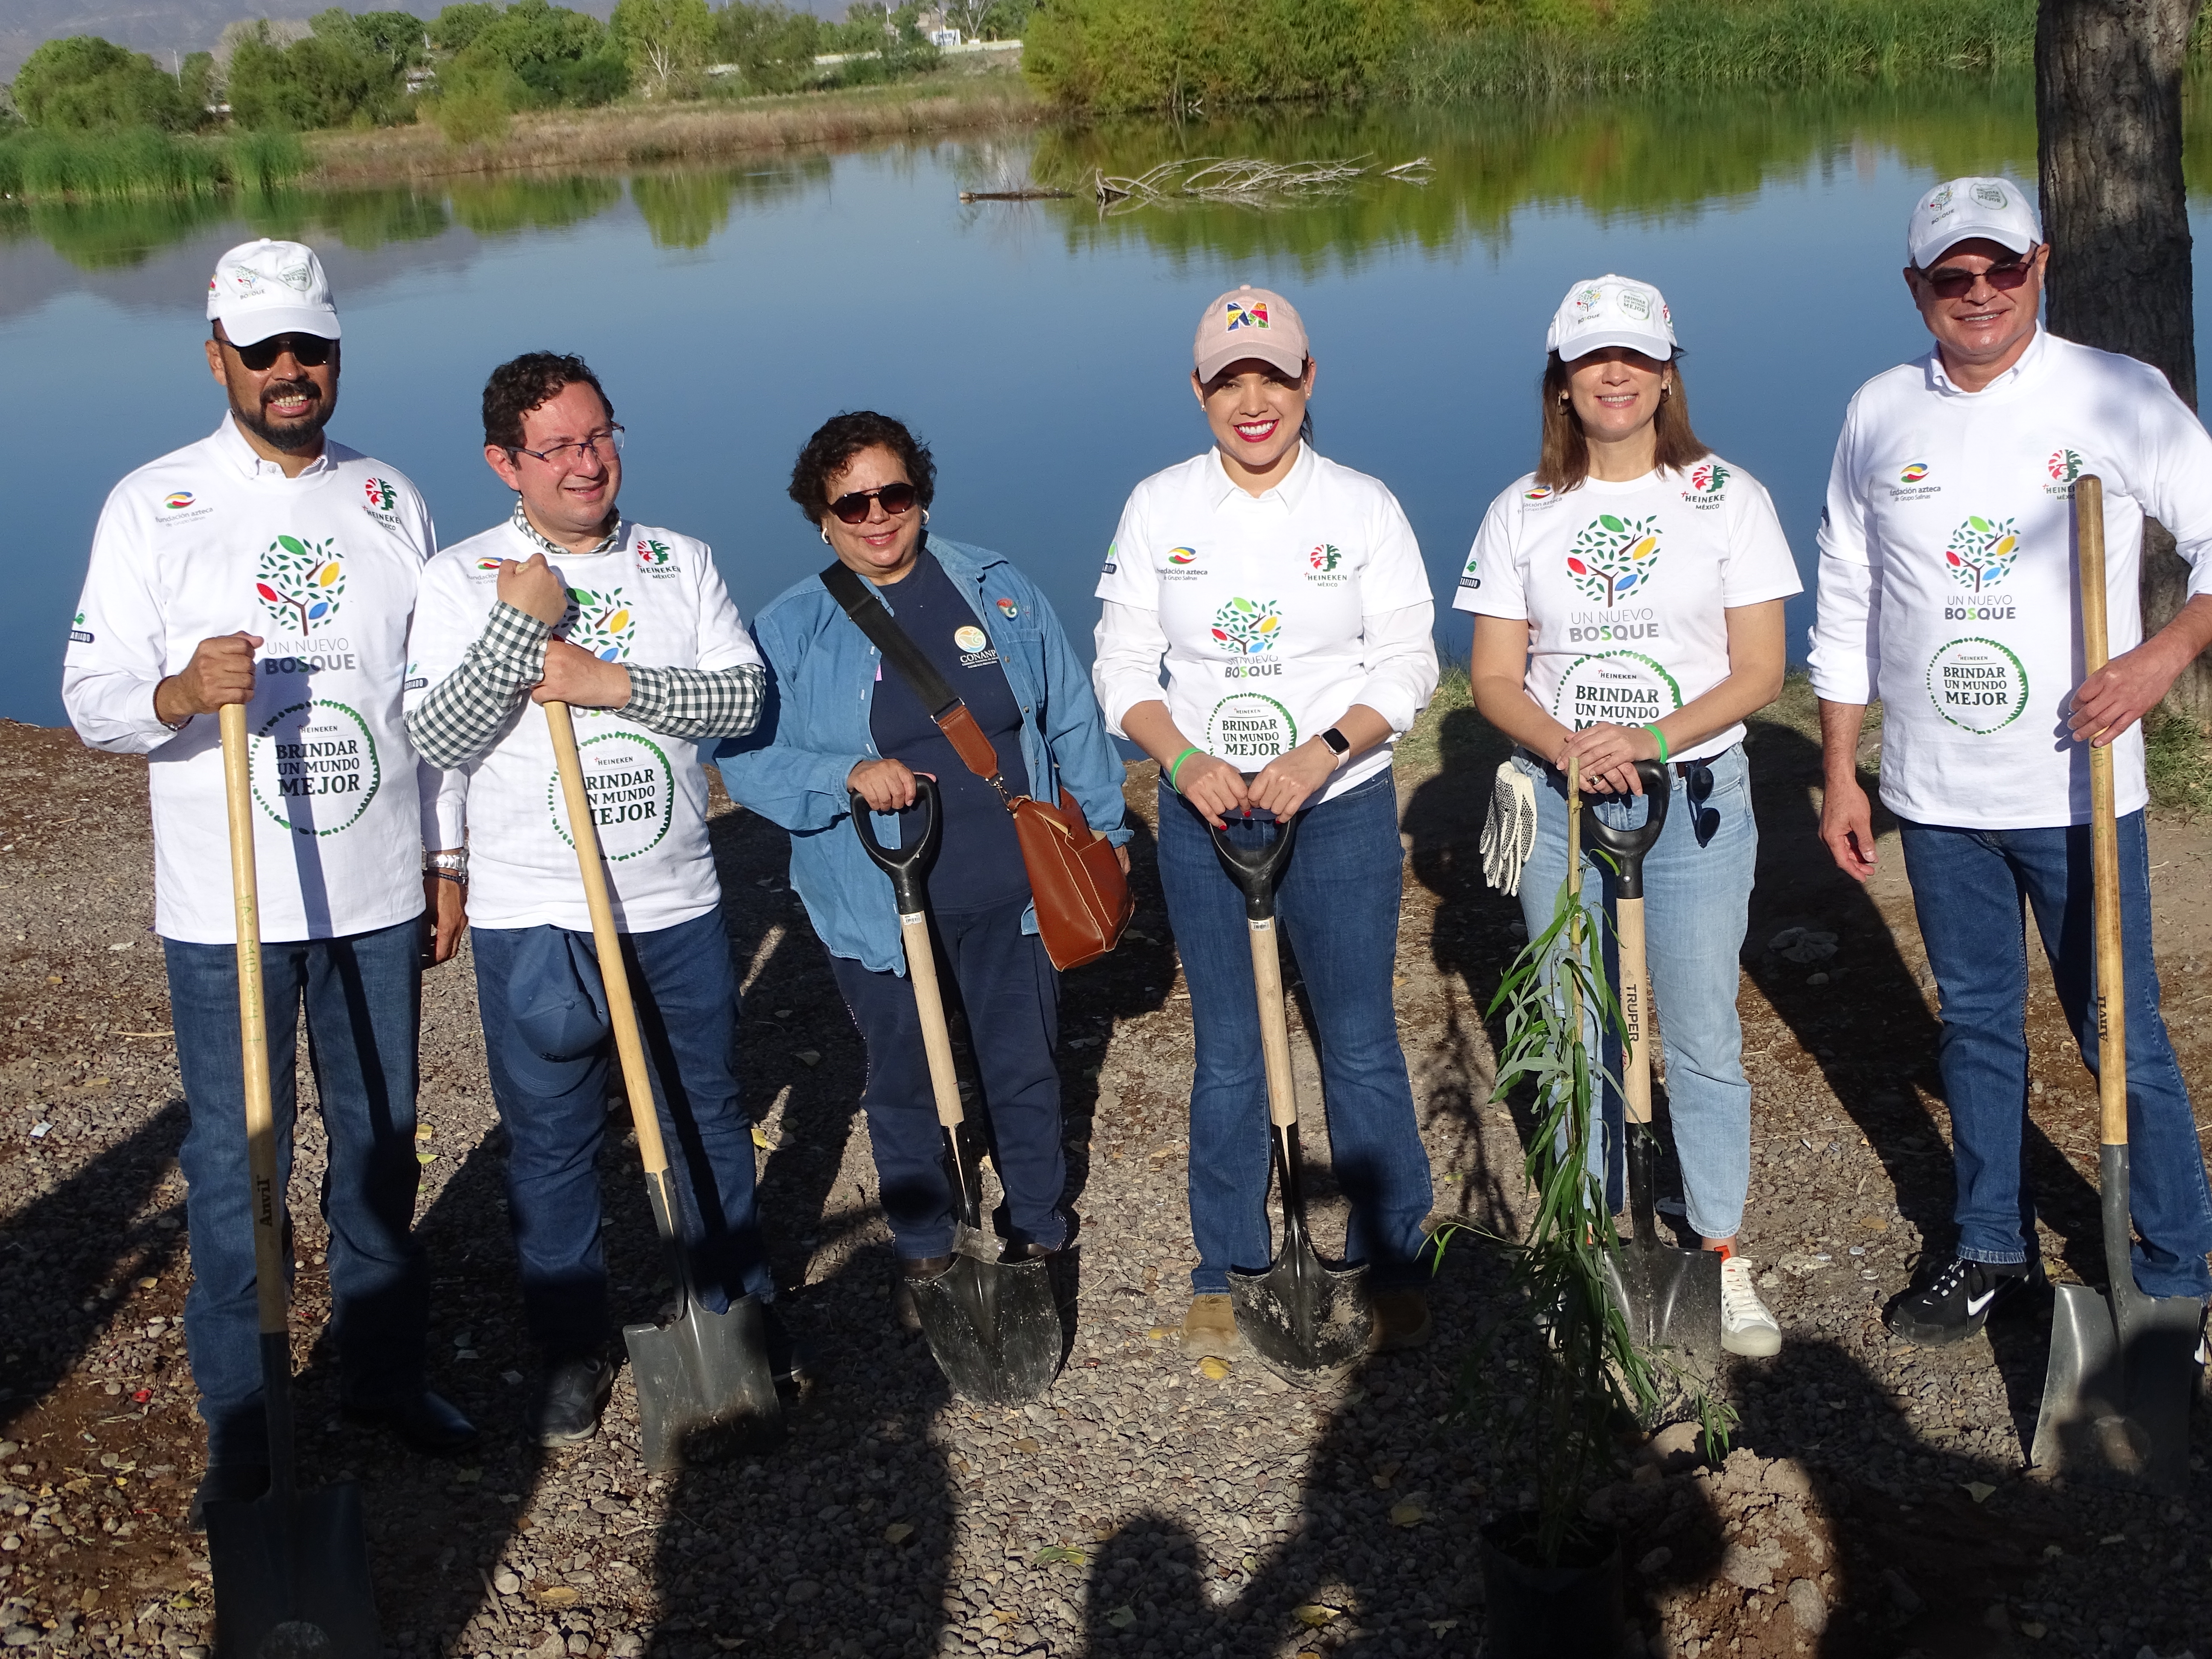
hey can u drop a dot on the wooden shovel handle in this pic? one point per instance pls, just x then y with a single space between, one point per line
2104 827
1635 1013
929 1004
621 1013
271 1283
1275 1024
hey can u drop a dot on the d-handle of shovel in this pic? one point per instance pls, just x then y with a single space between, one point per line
1628 847
271 1283
904 866
1257 870
622 1011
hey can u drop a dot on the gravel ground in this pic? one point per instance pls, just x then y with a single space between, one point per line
1876 1504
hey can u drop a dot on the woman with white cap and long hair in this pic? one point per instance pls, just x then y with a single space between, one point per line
1627 597
1287 596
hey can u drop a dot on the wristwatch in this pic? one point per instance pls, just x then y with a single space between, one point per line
448 867
1339 745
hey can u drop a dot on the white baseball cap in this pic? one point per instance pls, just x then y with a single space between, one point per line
1964 209
265 288
1249 322
1611 311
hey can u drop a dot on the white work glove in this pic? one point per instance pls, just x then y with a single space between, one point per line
1509 828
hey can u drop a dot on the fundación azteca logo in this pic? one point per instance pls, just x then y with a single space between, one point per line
300 581
1247 626
603 624
1613 555
1982 553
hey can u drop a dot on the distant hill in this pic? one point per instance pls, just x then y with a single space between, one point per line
163 26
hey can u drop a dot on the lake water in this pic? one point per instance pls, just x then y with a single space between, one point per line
1042 349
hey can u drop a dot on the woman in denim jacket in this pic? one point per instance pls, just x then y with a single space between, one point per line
836 723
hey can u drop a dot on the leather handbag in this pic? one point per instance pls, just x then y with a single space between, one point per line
1083 900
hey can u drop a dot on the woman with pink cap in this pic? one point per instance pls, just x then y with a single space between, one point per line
1627 597
1287 596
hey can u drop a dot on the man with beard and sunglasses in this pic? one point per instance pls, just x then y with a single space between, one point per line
267 565
630 626
1947 589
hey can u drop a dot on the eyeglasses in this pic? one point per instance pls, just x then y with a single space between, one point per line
308 350
568 457
896 498
1949 282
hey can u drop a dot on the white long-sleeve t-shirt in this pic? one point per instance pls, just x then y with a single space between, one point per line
1274 614
653 597
1948 586
213 539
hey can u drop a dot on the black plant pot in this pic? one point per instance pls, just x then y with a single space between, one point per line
1571 1611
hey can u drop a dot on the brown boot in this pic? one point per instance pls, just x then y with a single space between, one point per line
1402 1321
1209 1329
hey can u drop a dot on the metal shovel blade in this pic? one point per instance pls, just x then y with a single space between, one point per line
1308 1322
704 1387
993 1326
2116 1395
1671 1299
291 1577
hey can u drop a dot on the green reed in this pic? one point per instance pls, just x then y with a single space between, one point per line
130 163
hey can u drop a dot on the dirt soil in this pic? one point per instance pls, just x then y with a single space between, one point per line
1877 1503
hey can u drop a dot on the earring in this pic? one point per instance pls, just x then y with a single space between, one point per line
825 535
925 515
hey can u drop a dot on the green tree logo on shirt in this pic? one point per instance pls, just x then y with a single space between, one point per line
1982 553
603 624
1613 556
301 582
1247 627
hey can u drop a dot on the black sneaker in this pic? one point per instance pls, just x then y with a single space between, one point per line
1958 1300
565 1407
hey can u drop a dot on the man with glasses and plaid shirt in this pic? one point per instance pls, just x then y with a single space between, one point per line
630 626
1948 589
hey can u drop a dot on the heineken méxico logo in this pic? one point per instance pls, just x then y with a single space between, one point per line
1982 553
381 495
2064 466
1325 557
603 624
1709 478
1613 556
652 554
1247 627
301 582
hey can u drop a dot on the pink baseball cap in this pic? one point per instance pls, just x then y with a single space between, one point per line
1249 322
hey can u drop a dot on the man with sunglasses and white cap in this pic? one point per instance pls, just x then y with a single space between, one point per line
269 566
1947 589
629 624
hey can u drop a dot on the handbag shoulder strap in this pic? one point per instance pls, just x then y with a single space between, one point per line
953 717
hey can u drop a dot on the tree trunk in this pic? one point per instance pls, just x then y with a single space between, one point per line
2108 119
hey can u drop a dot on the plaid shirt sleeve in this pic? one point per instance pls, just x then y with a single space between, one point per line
463 715
695 702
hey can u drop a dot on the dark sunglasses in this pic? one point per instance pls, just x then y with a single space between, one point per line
853 508
308 350
1949 282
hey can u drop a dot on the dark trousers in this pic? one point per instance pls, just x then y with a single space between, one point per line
1007 984
362 995
686 990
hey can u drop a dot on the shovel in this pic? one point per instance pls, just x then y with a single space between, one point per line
2123 1365
699 1375
1670 1298
1308 1322
993 1326
291 1571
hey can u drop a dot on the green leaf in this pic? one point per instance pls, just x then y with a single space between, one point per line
1978 524
291 546
1610 522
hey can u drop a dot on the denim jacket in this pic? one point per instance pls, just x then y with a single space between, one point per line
790 768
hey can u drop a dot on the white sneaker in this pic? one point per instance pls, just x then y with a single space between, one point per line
1747 1325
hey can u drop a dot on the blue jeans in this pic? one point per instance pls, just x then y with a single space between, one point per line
1968 889
362 998
686 992
1003 978
1697 895
1339 903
